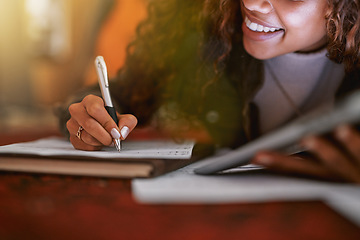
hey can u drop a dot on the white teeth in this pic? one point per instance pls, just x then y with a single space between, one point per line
247 21
253 26
257 27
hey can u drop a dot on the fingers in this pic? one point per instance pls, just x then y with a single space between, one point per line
350 138
94 118
73 127
90 119
127 123
338 160
99 128
290 164
333 158
81 145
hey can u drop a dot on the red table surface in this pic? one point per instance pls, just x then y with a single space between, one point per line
34 206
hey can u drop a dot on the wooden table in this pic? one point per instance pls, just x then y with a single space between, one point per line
62 207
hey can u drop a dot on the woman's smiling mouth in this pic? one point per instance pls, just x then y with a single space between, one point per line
258 32
256 27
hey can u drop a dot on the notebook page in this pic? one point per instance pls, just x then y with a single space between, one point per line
160 149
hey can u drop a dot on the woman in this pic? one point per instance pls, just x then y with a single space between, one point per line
227 71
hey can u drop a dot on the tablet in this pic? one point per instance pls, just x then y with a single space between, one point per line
285 139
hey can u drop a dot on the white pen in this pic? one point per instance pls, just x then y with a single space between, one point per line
104 86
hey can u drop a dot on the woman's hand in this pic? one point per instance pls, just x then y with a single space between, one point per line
334 160
99 128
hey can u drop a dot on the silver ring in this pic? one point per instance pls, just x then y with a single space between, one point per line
78 134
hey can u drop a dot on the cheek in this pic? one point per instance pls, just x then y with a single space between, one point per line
305 29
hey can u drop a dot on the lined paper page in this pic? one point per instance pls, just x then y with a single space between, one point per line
160 149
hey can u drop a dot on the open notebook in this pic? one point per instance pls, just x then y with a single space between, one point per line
136 159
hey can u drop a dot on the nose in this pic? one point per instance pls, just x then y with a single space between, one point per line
261 6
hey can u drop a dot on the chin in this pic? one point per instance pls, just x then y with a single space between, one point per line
260 53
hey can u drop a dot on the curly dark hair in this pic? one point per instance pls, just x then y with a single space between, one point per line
343 25
185 45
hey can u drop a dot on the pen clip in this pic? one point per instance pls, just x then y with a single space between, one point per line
102 70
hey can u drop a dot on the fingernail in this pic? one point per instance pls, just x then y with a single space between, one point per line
124 132
309 143
115 133
342 132
262 160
